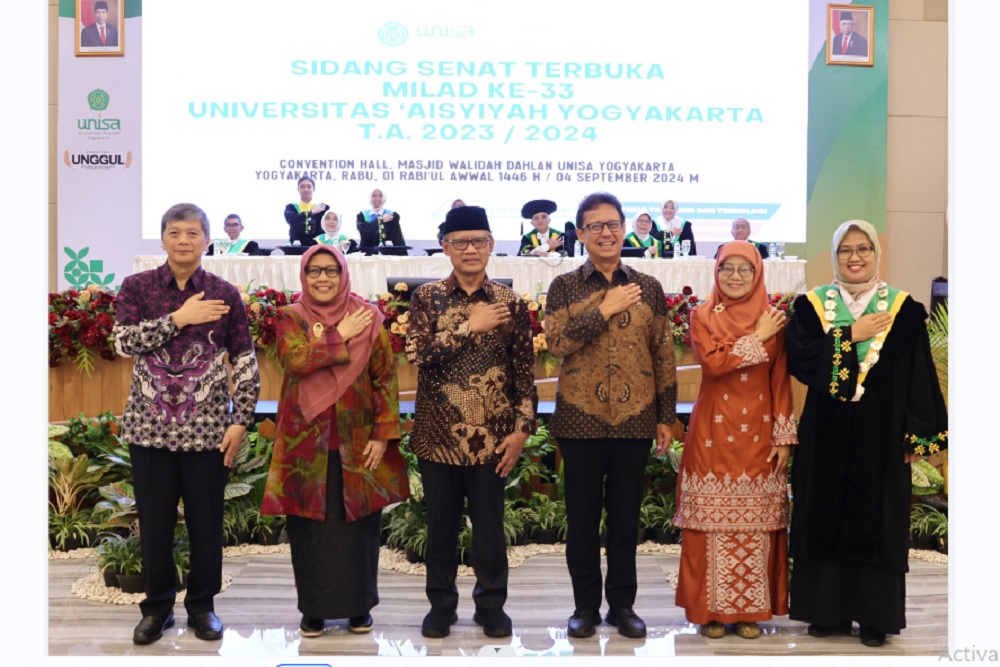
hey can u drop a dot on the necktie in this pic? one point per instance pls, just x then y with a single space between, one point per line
843 47
102 35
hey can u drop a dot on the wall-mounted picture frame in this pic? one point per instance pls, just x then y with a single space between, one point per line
100 27
850 35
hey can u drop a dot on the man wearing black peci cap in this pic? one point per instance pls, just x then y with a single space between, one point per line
542 240
471 342
848 42
100 32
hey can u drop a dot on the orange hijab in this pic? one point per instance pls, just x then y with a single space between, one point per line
725 318
324 387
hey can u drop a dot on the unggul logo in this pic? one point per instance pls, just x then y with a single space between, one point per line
393 34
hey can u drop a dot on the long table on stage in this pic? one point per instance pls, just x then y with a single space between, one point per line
368 274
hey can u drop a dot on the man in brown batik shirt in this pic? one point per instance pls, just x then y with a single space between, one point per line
470 338
617 391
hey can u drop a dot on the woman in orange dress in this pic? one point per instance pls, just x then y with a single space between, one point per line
732 503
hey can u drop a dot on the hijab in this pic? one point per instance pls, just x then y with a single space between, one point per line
726 318
856 289
324 387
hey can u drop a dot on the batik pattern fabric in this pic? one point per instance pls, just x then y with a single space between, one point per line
368 410
180 394
473 389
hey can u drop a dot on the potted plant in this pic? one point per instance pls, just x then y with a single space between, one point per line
407 529
70 531
71 479
236 521
929 527
549 515
660 511
516 519
129 564
265 528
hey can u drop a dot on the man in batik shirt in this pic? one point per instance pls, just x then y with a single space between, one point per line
471 341
182 424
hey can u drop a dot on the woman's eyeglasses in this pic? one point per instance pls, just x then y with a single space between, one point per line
727 270
330 271
462 244
864 252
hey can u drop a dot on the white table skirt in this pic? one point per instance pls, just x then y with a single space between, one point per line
368 274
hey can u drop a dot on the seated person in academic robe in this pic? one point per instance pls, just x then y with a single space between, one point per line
379 226
233 244
333 234
640 236
741 232
542 240
673 230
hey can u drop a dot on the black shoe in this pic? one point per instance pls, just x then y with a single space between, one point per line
817 630
312 627
437 623
151 628
583 622
206 625
871 637
360 624
495 622
629 625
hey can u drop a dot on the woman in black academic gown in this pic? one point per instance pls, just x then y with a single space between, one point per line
873 407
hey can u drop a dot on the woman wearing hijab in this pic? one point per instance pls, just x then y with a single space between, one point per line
873 407
641 236
732 502
336 460
303 217
674 229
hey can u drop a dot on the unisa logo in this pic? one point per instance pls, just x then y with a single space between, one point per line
393 34
98 100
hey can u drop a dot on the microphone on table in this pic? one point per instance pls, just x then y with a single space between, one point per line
569 239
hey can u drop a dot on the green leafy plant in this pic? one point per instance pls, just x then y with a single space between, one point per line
548 513
117 508
70 482
236 514
928 521
407 526
937 330
464 538
925 478
122 555
67 528
248 467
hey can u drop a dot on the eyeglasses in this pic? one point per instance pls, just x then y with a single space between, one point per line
232 224
864 252
598 227
330 271
461 244
727 270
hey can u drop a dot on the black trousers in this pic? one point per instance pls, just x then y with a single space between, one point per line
603 474
445 488
160 479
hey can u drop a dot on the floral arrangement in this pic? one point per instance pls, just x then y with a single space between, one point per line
679 307
262 307
784 302
536 315
80 324
396 322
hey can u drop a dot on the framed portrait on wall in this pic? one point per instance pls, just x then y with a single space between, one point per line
100 27
850 35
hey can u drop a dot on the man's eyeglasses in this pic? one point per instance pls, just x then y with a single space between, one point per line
330 271
462 244
745 271
598 227
864 252
232 224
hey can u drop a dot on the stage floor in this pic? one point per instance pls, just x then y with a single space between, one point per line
261 618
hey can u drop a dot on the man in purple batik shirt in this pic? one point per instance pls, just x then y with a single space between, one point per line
180 322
